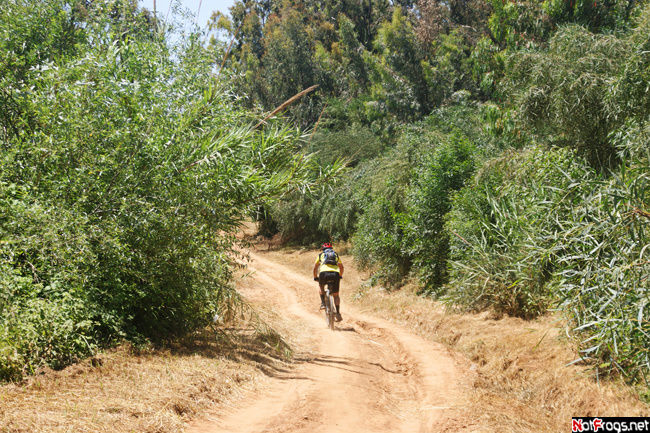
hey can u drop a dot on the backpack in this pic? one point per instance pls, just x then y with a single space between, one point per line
329 257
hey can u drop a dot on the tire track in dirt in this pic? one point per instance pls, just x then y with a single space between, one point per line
368 376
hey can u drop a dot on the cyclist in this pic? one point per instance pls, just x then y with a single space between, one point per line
329 269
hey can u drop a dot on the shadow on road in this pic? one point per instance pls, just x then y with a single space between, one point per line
262 348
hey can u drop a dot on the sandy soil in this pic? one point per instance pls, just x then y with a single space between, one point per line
369 375
397 362
501 374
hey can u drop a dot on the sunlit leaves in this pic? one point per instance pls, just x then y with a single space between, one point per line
124 195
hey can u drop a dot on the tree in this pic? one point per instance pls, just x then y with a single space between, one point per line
288 66
565 89
122 180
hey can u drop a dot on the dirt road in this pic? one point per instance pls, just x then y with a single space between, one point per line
367 376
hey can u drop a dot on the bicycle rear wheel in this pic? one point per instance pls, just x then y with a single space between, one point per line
330 308
332 312
327 310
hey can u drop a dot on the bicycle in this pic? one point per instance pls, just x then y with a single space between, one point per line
330 306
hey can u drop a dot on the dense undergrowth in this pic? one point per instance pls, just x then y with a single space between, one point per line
125 170
497 153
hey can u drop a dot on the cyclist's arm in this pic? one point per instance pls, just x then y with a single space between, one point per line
341 268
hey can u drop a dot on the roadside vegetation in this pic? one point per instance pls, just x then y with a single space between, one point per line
126 168
497 151
497 155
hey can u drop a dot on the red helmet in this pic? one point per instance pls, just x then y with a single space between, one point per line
326 245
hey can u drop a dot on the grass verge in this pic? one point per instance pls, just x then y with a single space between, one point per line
523 382
144 390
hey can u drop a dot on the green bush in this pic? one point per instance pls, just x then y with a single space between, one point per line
353 145
378 240
628 95
563 92
504 226
401 223
597 16
123 175
441 172
539 230
602 277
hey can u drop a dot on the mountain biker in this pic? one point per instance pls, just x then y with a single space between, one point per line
328 268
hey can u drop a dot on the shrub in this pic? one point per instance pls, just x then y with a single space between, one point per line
562 92
442 172
379 236
123 176
401 223
505 227
628 95
602 277
538 229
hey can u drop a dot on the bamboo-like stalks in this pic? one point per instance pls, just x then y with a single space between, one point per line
286 103
225 57
168 11
198 12
317 122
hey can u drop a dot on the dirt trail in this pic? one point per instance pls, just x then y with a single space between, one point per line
367 376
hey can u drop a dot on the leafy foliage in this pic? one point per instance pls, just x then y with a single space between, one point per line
565 89
441 173
400 229
125 170
379 238
549 232
511 169
597 15
604 266
505 225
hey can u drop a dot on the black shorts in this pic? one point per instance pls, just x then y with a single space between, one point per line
332 278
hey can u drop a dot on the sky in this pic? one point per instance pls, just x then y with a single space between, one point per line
203 7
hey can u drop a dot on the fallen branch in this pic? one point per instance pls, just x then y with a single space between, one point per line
286 103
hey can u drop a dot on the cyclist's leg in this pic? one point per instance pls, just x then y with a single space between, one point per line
335 289
337 300
321 287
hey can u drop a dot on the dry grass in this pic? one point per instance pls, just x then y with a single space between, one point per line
129 390
522 382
